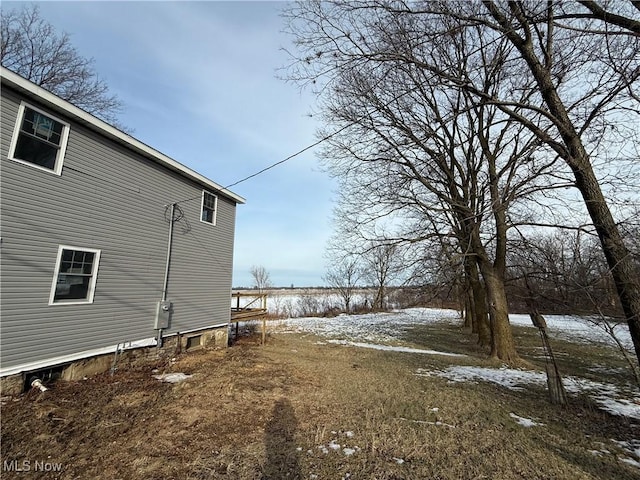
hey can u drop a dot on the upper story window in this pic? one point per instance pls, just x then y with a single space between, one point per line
209 207
74 280
39 139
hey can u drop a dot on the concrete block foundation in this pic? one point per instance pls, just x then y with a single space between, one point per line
13 385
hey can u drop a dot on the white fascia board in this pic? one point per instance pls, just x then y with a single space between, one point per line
16 81
199 329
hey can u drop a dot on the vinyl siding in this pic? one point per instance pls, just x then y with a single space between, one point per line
112 199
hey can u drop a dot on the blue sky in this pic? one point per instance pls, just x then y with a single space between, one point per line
199 83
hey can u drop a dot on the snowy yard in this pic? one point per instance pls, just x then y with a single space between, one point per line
385 331
385 327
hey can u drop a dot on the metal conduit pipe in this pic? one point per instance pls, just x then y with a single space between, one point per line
167 266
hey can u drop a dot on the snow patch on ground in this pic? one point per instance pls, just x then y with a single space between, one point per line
630 461
333 445
393 348
631 448
610 397
630 451
173 377
382 327
377 328
525 422
506 377
577 329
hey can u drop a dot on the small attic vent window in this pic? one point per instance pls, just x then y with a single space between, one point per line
209 208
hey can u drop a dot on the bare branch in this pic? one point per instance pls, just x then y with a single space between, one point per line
32 48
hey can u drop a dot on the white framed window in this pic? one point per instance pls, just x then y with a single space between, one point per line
74 280
209 208
39 139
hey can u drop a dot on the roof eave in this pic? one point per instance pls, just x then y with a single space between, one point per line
16 81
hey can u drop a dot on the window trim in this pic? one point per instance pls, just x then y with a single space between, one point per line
92 282
215 208
64 137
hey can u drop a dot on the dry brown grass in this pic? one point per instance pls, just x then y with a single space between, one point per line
274 412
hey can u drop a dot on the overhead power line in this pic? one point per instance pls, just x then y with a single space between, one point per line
280 162
323 139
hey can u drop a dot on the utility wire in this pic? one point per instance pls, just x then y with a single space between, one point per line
280 162
323 139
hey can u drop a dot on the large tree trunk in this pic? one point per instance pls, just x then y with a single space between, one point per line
482 316
469 310
479 299
470 317
503 345
485 318
619 260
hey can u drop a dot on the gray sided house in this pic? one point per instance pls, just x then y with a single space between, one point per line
85 236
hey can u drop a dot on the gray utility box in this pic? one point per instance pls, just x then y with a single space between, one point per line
163 315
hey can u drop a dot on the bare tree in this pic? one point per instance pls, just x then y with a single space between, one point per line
261 278
31 47
343 274
566 270
383 265
566 79
585 64
415 152
611 65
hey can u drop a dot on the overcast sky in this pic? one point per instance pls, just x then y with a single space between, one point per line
199 83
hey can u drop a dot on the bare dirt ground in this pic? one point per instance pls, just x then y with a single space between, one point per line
295 409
